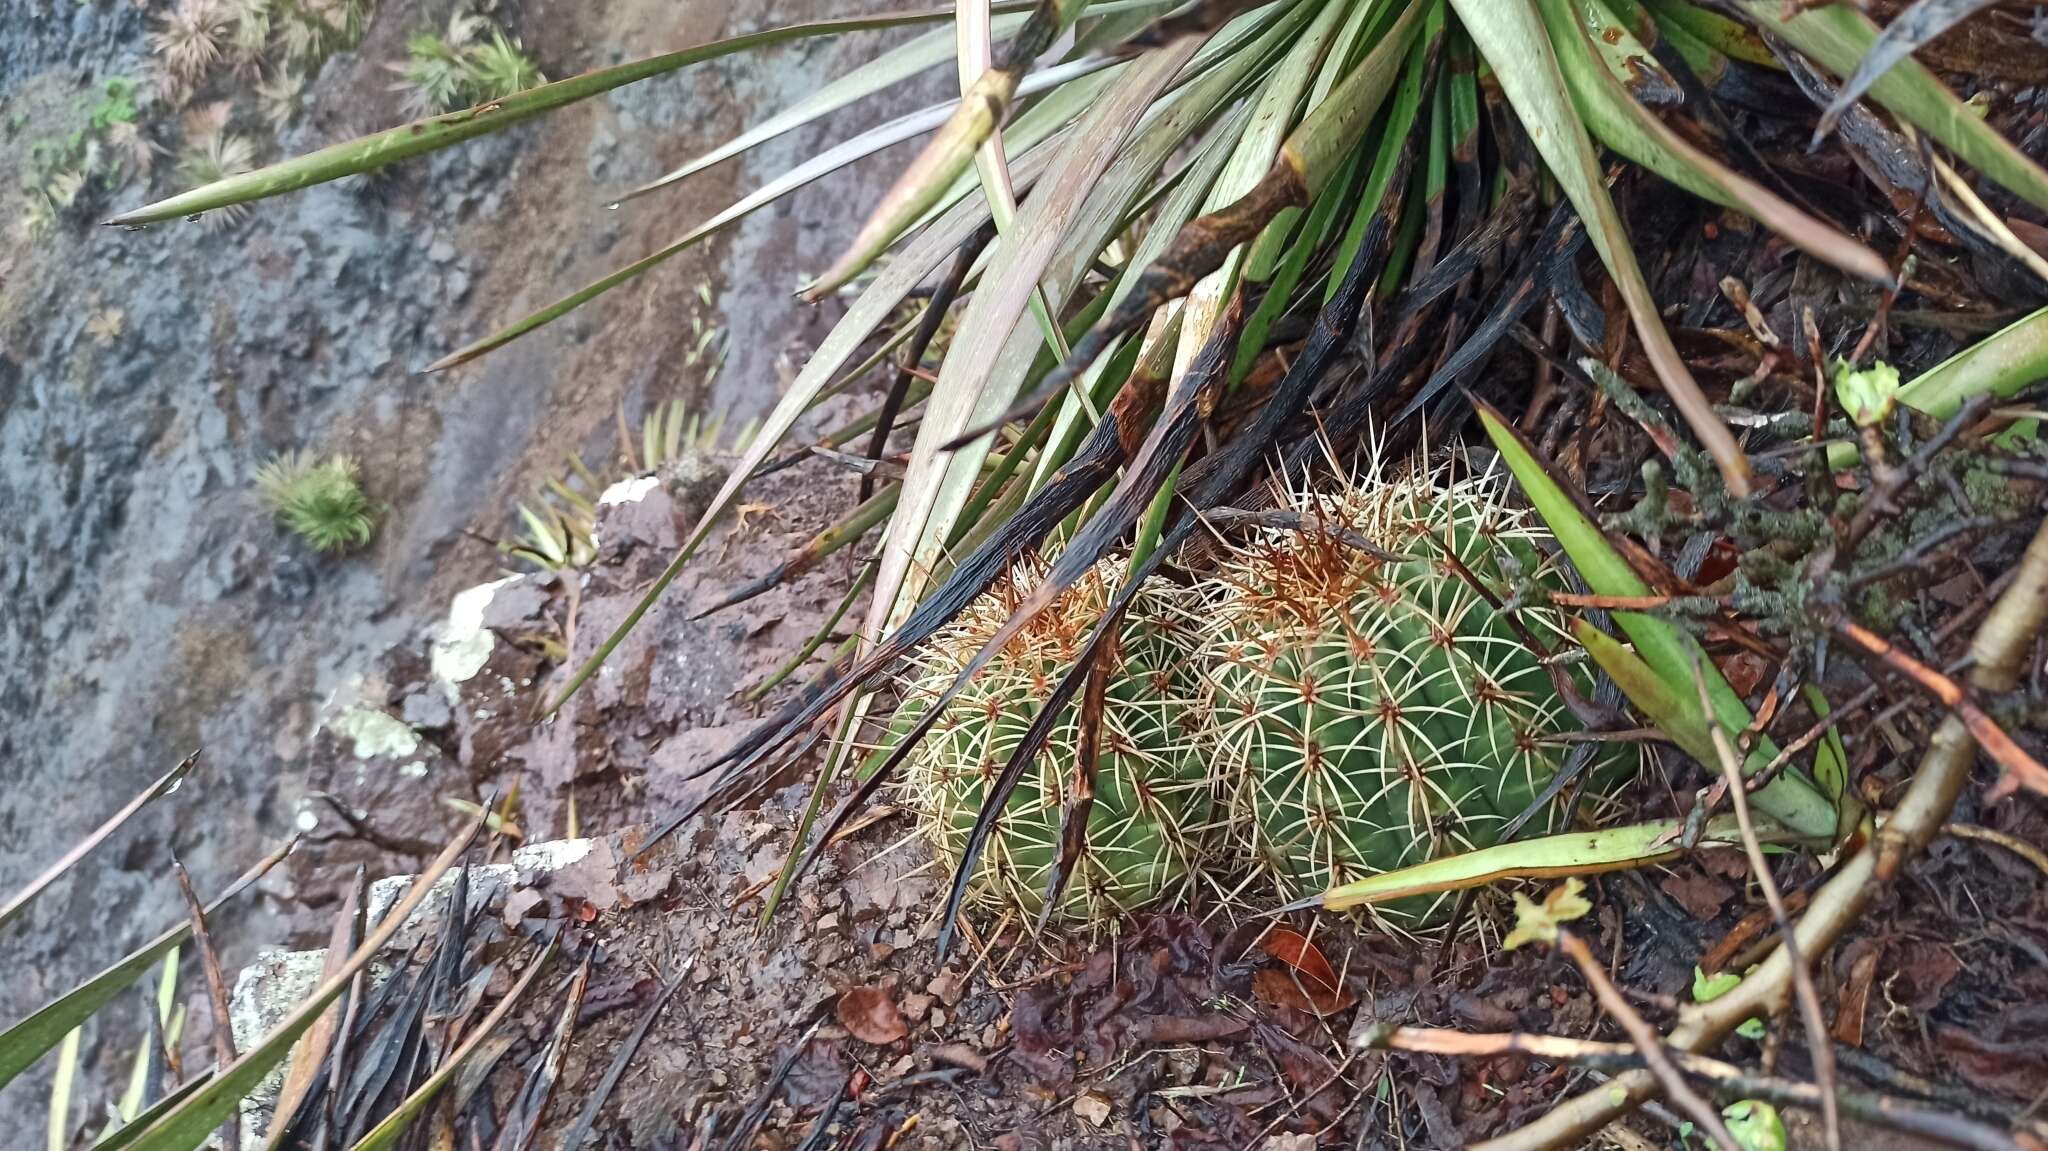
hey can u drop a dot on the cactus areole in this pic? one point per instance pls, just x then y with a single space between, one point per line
1335 701
1385 710
1152 795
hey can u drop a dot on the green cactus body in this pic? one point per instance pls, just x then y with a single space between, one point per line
1152 794
1384 712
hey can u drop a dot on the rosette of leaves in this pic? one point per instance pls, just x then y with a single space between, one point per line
319 500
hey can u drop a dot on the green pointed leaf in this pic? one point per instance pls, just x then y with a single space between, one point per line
1632 130
1669 652
884 71
1550 856
370 152
27 1041
1511 36
1839 37
1079 204
824 163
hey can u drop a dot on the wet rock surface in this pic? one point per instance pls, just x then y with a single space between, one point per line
152 608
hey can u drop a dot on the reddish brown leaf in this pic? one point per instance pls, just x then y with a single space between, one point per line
1700 894
1294 949
1296 992
869 1014
1854 1000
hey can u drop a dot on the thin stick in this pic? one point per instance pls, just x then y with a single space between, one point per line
1647 1042
1802 980
1725 1079
1997 658
217 998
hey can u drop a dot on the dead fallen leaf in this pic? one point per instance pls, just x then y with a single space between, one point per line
1298 993
1092 1107
1700 894
1294 949
1855 1000
870 1015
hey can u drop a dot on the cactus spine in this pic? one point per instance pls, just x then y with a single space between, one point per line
1381 710
1152 805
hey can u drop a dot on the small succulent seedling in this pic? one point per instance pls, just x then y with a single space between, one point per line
320 501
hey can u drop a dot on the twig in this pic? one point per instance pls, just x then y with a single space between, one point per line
1802 980
1648 1043
1726 1080
1998 654
2020 768
2019 847
216 997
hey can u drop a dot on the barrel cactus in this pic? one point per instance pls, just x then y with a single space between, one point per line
1152 808
1381 711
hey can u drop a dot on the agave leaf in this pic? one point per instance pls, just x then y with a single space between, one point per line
1573 853
984 371
831 160
1917 25
898 64
1671 653
1511 36
377 149
973 28
984 104
1731 38
890 287
394 1125
1415 73
164 785
1628 62
25 1042
1630 129
188 1125
1841 38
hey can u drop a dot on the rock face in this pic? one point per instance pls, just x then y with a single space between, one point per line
151 608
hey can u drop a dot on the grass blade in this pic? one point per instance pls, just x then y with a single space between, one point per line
1841 39
1511 36
1630 129
25 1042
373 151
164 785
187 1126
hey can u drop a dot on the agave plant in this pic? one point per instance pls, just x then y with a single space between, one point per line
1166 224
